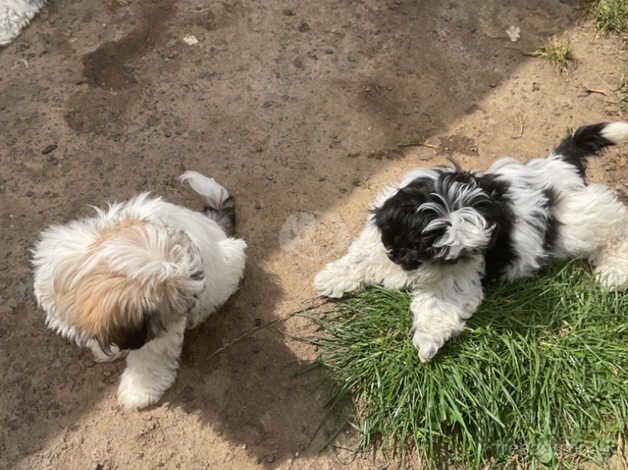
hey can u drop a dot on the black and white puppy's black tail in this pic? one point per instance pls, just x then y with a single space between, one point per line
219 204
590 140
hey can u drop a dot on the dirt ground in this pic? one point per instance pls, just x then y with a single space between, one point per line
299 108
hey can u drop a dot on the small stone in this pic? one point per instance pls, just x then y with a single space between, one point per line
287 12
258 322
514 33
190 40
303 27
48 149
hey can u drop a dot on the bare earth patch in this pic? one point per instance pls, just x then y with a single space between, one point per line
297 108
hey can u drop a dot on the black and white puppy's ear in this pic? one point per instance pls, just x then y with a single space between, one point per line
459 222
465 230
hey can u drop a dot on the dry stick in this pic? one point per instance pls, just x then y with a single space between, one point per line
589 90
419 144
521 127
620 448
596 90
252 331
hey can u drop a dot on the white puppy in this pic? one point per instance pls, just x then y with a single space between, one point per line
443 232
135 276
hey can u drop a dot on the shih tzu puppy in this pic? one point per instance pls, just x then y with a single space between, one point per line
444 232
131 279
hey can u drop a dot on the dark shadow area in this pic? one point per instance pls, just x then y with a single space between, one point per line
285 103
252 392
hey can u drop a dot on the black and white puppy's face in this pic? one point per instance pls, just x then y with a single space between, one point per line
440 217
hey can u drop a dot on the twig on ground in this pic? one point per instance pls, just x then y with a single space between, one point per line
521 127
419 144
252 331
600 91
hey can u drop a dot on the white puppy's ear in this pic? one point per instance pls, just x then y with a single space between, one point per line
132 282
465 230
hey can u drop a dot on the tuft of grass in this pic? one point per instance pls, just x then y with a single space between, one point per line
623 92
610 15
558 53
539 375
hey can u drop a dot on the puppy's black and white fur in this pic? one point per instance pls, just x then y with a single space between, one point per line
443 232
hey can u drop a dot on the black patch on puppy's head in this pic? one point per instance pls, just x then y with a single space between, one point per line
441 218
401 226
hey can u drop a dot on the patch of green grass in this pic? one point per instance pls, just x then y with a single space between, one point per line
557 52
610 15
623 91
539 375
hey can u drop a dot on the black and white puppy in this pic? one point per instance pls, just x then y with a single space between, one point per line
443 232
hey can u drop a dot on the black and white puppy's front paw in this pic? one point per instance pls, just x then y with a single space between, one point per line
426 345
438 318
335 280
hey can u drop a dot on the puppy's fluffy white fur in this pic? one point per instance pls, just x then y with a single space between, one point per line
15 15
468 222
139 273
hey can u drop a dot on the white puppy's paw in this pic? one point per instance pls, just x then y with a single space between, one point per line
134 394
334 281
101 356
427 346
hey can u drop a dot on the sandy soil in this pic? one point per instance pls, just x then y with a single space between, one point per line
298 108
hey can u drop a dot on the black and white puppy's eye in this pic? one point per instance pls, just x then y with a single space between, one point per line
198 276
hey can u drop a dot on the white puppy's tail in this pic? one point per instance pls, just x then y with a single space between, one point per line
590 140
219 204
